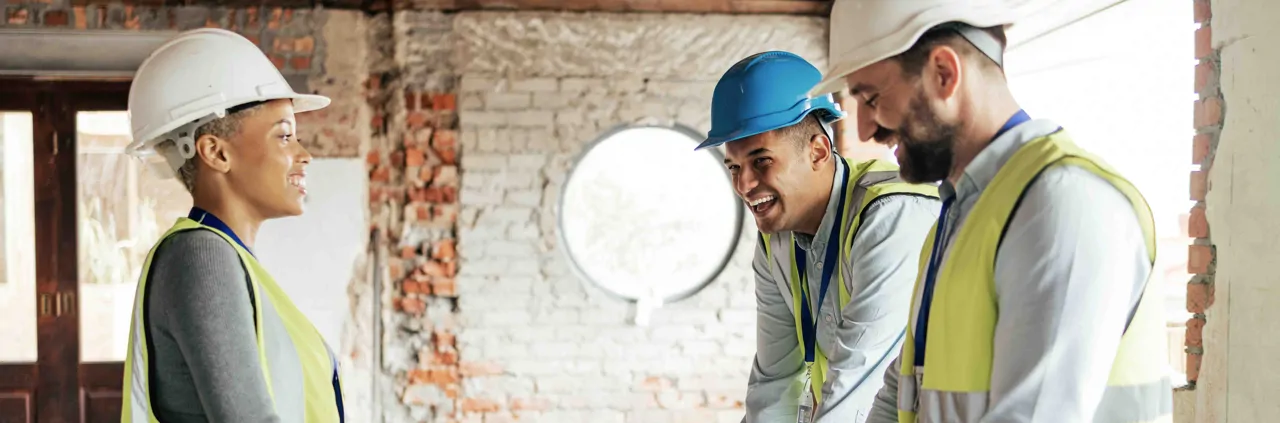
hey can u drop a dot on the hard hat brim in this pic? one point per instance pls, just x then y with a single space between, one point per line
302 103
901 41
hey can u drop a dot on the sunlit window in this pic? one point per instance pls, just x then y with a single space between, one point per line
645 217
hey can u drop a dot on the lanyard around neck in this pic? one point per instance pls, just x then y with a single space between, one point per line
208 219
935 256
808 320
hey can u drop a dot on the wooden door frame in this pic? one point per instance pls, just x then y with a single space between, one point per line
63 385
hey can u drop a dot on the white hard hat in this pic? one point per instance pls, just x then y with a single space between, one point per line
864 32
194 79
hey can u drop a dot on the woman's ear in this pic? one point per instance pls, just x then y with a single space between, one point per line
212 151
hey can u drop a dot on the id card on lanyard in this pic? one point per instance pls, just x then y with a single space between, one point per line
809 320
935 257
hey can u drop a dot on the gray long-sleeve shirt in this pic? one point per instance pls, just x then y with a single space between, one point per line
879 269
1068 274
205 353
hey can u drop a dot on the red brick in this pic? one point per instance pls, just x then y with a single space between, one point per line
373 158
1199 297
444 287
480 368
435 375
444 250
413 287
413 306
1204 42
1197 224
417 195
396 268
417 119
1200 146
1199 184
301 63
397 158
1199 257
431 195
529 404
410 101
1208 112
449 195
424 212
446 101
55 18
1193 367
380 174
480 405
408 253
80 18
1205 72
443 338
433 268
448 155
1203 13
414 157
444 138
18 17
424 100
1194 336
278 61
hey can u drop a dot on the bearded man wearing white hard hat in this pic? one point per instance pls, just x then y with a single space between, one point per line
213 337
1034 301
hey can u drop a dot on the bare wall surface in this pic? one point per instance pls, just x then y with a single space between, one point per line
536 88
1243 199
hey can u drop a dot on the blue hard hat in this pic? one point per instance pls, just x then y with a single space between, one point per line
763 92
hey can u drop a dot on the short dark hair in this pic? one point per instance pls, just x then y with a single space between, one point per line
804 130
913 60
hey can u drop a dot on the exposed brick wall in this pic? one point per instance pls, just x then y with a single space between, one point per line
291 38
535 342
1208 124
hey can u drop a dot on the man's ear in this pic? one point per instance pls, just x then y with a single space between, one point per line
819 150
212 151
943 72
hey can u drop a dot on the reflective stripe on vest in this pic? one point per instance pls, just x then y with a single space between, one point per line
869 180
295 360
957 379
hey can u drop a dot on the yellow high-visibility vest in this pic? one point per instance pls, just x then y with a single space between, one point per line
962 318
867 181
298 366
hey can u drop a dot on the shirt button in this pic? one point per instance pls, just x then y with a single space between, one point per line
819 264
830 319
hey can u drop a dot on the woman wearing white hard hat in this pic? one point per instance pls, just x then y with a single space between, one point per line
1034 302
213 337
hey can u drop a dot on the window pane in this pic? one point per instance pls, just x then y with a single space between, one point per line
17 257
123 210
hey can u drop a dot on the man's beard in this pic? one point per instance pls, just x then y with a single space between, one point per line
927 142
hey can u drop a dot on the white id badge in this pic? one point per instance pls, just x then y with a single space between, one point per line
805 413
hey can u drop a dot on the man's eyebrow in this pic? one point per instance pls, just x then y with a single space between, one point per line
753 153
859 88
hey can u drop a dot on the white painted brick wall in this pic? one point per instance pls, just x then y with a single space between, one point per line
531 98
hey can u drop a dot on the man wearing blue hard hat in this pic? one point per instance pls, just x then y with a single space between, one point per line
838 248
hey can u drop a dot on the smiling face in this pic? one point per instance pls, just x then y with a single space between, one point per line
262 163
778 175
895 109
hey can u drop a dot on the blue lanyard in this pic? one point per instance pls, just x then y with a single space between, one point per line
208 219
935 257
808 323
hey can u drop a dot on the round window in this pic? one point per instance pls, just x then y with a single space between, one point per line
646 218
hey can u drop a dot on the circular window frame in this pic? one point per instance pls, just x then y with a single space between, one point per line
739 216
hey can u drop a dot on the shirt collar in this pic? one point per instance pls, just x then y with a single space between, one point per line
833 204
982 170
